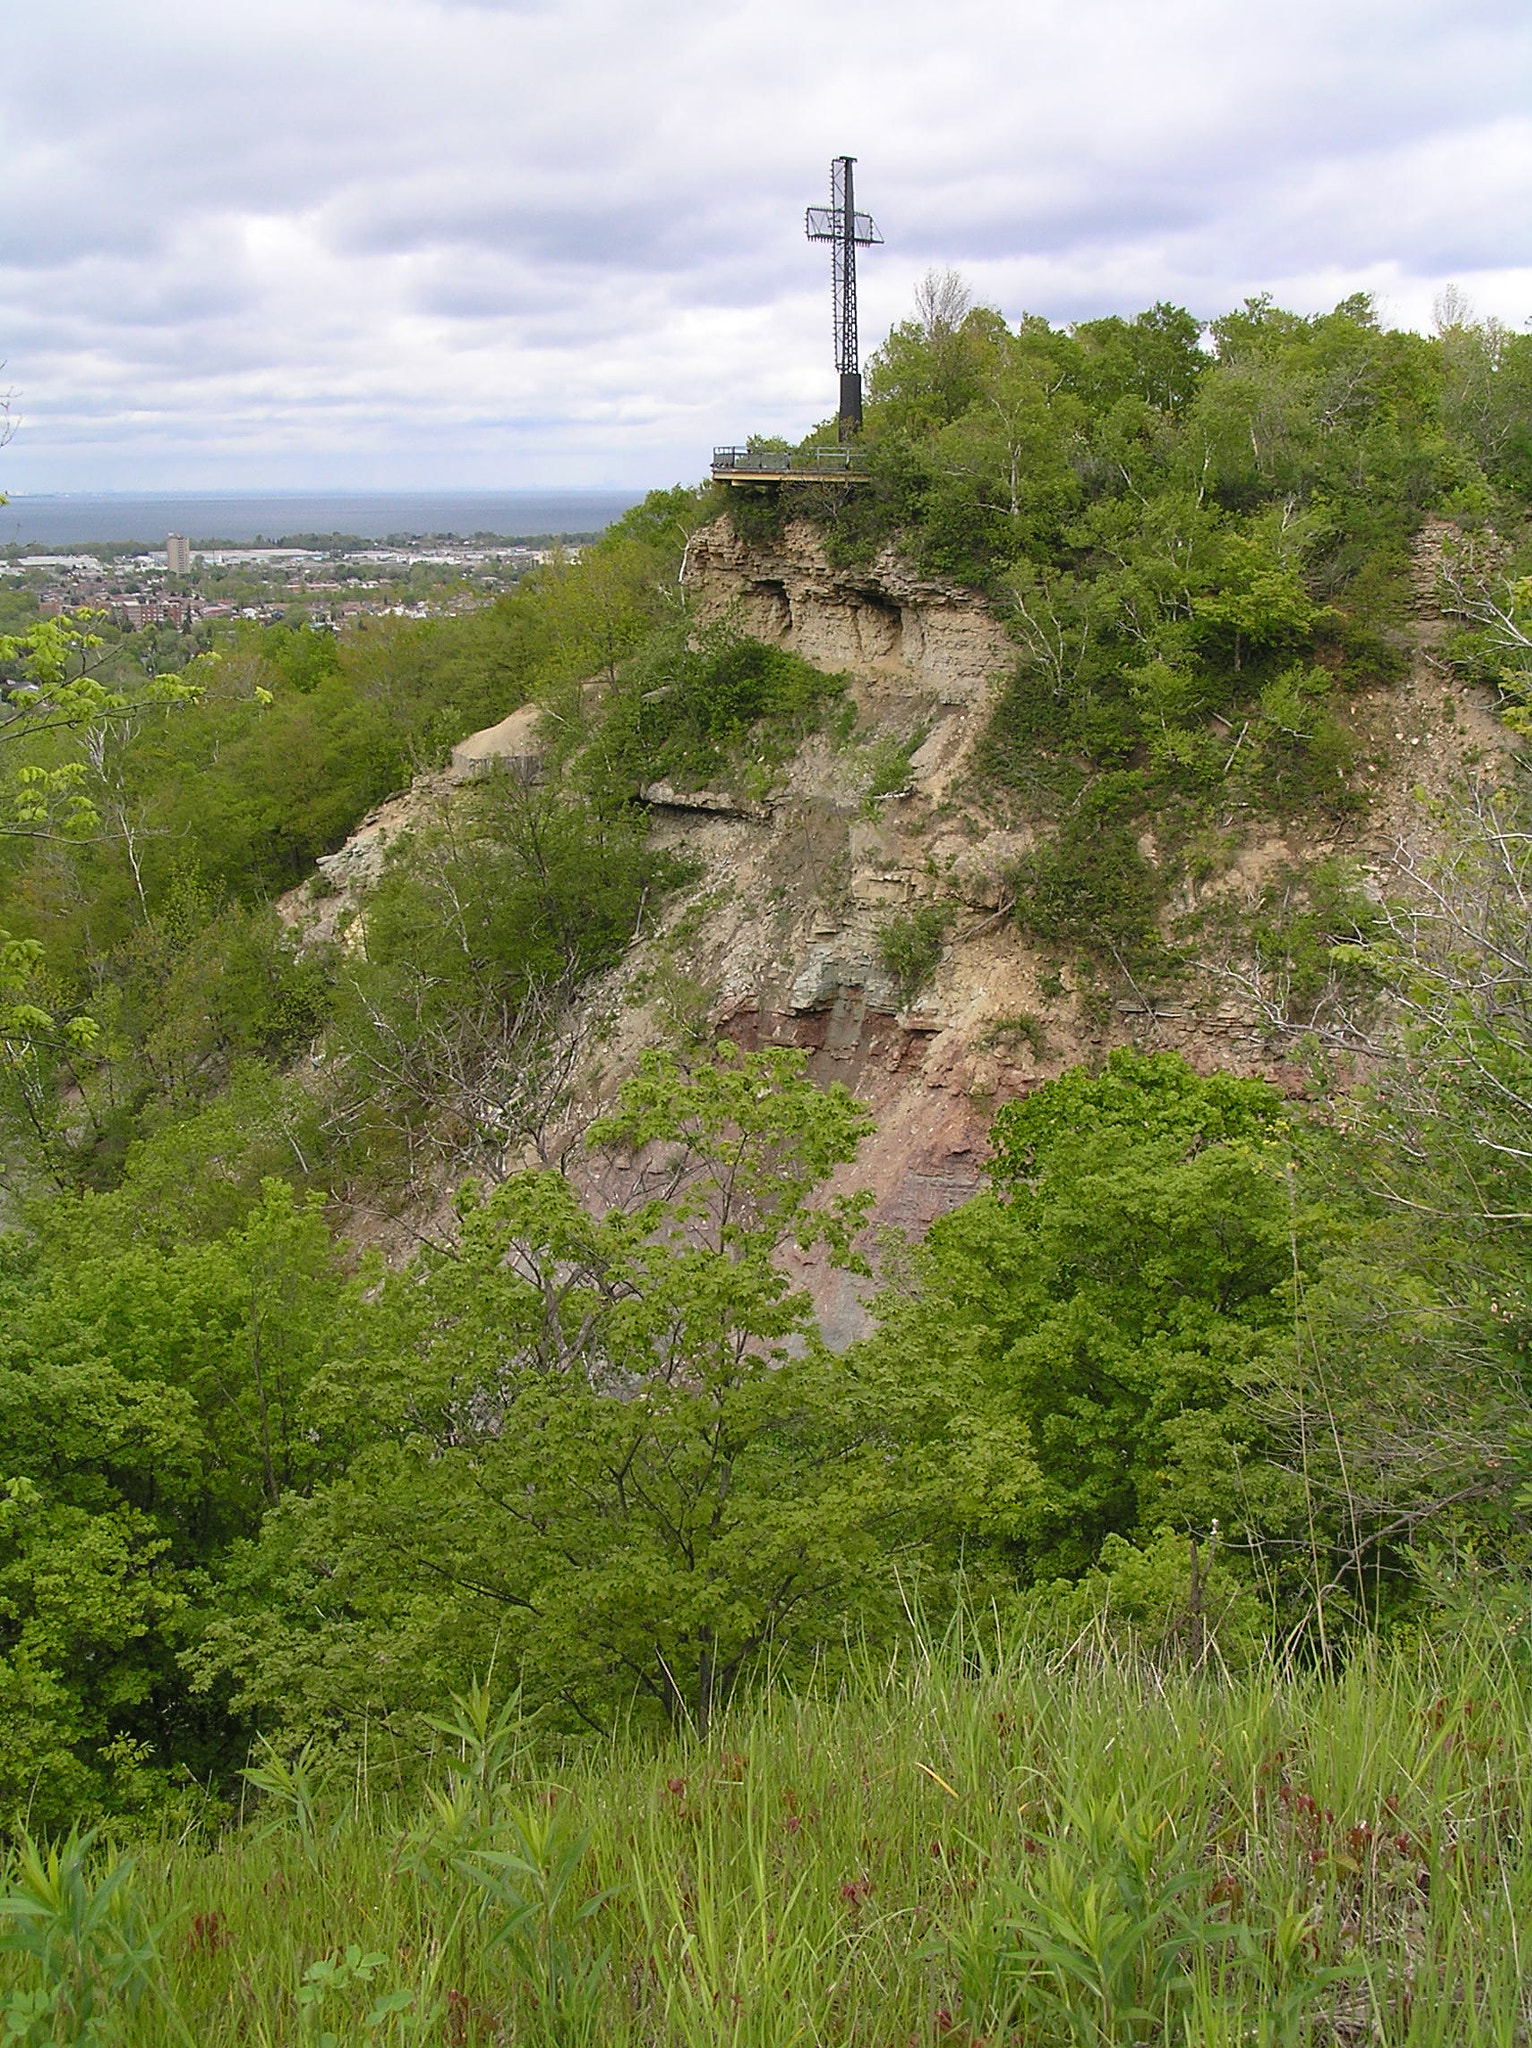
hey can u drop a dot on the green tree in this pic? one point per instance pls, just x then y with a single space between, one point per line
607 1445
154 1402
444 1053
57 693
1108 1316
1411 1394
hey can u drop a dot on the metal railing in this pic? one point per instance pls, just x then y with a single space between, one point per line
805 462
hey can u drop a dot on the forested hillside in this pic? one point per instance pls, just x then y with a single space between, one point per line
1204 555
408 1295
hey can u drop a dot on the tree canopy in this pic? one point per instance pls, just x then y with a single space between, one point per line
1208 1363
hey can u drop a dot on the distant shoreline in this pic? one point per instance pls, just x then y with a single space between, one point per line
79 518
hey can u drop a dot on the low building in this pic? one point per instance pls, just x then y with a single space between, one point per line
137 612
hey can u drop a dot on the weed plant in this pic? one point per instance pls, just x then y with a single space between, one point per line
888 768
910 944
969 1845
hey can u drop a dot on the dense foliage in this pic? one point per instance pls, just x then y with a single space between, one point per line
964 1845
603 1445
149 822
714 706
1114 1304
1201 542
1205 1372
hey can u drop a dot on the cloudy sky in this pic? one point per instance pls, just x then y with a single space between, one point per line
513 243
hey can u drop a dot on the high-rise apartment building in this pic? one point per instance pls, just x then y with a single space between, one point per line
177 554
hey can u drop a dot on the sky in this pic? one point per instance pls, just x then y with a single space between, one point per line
510 244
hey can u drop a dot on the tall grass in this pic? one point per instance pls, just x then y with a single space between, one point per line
965 1847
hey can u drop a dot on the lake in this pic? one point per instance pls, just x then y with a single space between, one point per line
76 518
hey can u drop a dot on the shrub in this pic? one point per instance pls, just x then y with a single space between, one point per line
888 765
1089 888
910 944
691 712
757 514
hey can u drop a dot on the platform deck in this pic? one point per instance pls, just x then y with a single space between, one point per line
788 466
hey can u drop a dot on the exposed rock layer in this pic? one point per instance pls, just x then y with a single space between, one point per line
781 941
789 947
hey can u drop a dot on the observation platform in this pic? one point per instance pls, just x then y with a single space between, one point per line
788 466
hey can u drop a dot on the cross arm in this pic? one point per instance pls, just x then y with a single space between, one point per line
827 224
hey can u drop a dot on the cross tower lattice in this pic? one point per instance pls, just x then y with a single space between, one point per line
840 224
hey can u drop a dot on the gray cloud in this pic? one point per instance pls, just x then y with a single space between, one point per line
509 242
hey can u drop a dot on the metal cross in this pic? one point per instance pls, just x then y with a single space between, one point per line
841 224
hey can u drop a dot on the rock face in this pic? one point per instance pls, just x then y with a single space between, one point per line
785 940
513 741
879 621
786 936
716 803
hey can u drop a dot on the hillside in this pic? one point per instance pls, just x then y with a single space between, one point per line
966 1849
1061 898
784 935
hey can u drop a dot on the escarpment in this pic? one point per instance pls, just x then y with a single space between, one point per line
859 902
881 623
791 935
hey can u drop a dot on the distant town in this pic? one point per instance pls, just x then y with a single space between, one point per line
331 581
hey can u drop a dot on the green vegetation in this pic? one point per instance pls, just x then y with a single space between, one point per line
1201 545
694 708
180 1317
476 938
1089 888
1116 1304
910 944
649 1488
889 761
151 820
1214 1404
967 1844
600 1443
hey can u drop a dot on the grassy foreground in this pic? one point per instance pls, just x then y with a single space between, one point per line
963 1849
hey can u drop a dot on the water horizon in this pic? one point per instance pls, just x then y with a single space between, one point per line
75 519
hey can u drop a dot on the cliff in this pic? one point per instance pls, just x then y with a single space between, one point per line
781 940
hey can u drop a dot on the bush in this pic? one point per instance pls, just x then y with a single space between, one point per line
910 944
1302 920
757 514
1090 889
888 766
695 712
